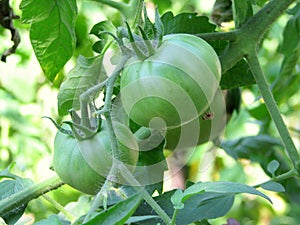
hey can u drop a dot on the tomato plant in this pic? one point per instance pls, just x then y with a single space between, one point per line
176 84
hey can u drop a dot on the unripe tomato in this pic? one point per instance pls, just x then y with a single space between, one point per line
205 128
72 166
176 84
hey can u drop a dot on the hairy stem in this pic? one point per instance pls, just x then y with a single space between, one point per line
227 36
60 208
29 193
264 88
100 197
292 173
134 182
108 105
252 32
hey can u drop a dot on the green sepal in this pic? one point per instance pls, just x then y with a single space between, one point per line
150 48
134 45
62 130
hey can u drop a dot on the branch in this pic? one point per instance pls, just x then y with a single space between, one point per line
281 177
252 32
273 109
227 36
29 193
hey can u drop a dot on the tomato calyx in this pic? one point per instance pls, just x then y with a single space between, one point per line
149 39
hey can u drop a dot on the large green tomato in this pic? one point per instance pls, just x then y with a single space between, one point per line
83 164
176 84
206 127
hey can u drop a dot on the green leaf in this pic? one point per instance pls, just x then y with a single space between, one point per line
260 112
52 32
87 73
258 2
205 206
7 174
251 147
153 156
221 187
242 11
176 199
163 5
52 220
136 219
119 213
291 36
273 166
100 30
188 23
8 188
288 79
238 76
198 207
273 186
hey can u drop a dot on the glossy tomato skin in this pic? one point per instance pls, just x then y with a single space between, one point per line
176 84
84 164
206 127
71 167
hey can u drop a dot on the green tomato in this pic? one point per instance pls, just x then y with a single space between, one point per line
84 164
206 127
176 84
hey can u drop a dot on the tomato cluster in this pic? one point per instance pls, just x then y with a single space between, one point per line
178 85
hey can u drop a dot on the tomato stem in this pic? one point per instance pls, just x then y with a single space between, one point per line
228 36
251 32
60 208
147 197
118 166
291 173
29 193
267 95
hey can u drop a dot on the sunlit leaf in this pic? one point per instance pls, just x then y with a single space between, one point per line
188 23
52 32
